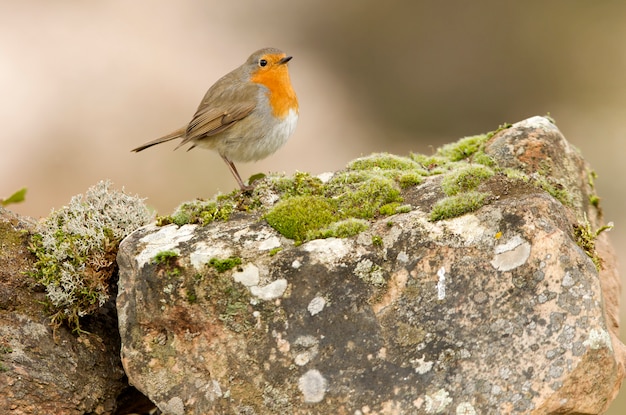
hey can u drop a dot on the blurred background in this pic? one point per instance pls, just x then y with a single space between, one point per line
84 82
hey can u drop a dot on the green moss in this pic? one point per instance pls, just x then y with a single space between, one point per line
463 148
410 179
342 229
482 158
429 162
453 206
191 296
594 200
465 178
200 212
223 265
555 189
389 209
165 257
383 161
297 217
361 196
586 238
274 251
301 184
377 240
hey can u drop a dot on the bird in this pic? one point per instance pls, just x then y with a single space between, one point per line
246 115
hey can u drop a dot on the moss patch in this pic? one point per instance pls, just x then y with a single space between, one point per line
465 178
223 265
304 207
299 217
452 206
201 212
586 239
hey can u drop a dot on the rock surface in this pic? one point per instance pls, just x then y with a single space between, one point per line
495 311
42 373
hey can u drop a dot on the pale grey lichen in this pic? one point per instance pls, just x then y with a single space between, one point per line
76 247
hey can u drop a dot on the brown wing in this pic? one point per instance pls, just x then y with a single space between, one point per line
211 118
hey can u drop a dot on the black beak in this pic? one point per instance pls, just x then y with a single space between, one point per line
285 59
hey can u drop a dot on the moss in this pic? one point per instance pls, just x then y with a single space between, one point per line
297 217
362 195
301 184
191 296
460 204
199 212
377 240
463 148
389 209
586 238
481 158
165 257
341 229
383 161
555 189
223 265
594 200
410 179
465 178
274 251
429 162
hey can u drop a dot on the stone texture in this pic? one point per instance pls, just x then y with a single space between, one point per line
497 311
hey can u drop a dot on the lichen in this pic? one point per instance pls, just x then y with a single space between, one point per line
76 248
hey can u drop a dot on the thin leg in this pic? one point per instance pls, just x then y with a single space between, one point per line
235 173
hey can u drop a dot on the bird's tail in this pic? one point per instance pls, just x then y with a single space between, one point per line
171 136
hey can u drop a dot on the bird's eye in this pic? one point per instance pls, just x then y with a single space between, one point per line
262 62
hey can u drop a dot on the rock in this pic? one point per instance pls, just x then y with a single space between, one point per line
476 298
42 372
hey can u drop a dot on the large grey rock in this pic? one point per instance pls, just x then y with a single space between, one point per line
495 311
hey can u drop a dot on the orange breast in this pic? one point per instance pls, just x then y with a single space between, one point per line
281 95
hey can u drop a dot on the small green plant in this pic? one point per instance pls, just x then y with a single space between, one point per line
223 265
274 251
453 206
165 257
200 212
377 240
76 248
586 239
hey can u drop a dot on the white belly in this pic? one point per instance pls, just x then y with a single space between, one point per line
257 146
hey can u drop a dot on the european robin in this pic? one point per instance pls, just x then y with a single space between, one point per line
246 115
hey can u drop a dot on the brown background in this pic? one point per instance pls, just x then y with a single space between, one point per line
84 82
